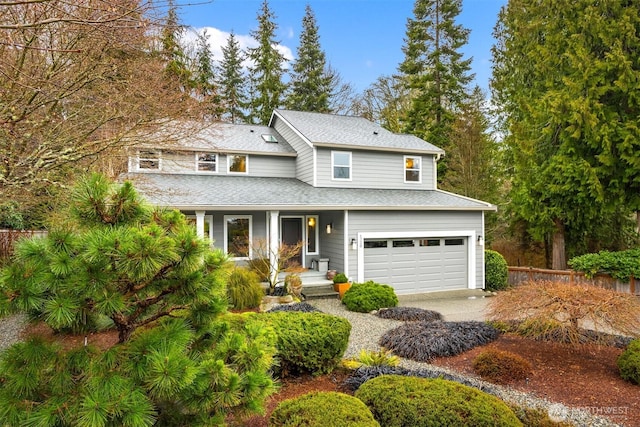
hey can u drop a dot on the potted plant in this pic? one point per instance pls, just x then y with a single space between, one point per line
341 284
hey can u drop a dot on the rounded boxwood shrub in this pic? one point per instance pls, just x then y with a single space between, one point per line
399 401
309 342
321 409
496 271
501 366
369 296
243 289
629 362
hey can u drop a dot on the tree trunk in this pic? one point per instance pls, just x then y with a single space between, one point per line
559 256
637 221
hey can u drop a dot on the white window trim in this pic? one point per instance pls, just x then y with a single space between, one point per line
217 162
138 159
404 169
317 234
229 164
226 237
333 165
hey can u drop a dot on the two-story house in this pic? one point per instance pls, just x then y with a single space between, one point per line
359 197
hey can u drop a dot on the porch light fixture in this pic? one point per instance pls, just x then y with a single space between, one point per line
354 244
329 228
480 241
312 222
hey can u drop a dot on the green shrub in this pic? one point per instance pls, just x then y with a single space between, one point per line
399 401
620 265
309 342
369 296
496 271
260 266
501 367
321 409
629 362
340 278
243 289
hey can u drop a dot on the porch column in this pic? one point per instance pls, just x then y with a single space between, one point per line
200 223
274 237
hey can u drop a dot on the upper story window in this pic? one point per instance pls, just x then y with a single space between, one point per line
238 163
341 164
207 162
412 169
149 159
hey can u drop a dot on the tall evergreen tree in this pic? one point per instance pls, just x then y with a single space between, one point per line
473 152
310 84
565 77
111 261
434 70
177 67
204 78
231 81
267 68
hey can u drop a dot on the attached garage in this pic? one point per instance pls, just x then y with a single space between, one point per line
416 264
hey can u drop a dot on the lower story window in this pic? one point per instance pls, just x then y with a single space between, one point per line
238 236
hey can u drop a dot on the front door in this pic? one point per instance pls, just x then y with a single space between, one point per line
291 236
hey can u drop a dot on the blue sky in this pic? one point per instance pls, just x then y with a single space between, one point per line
362 39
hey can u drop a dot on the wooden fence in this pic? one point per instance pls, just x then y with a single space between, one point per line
518 275
9 237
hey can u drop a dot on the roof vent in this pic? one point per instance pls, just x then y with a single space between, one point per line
251 130
375 132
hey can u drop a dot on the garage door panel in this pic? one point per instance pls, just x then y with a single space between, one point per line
411 269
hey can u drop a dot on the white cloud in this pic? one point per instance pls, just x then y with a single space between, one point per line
218 39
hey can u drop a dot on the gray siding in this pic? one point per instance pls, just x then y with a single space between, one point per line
416 221
371 169
304 161
184 162
332 245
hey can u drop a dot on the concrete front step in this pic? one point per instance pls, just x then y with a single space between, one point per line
319 291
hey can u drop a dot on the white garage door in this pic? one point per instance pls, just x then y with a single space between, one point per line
418 264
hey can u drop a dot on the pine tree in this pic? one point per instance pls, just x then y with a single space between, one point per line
113 262
434 71
204 79
310 84
473 152
565 79
231 81
266 70
176 68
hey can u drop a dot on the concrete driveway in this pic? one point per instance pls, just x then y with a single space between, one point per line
453 305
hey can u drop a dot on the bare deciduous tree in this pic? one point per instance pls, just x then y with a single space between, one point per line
79 81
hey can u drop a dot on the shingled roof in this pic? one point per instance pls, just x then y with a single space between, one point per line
189 192
333 130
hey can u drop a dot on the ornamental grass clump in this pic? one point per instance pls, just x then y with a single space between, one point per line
400 401
308 342
322 409
369 296
244 289
563 312
502 367
423 341
408 314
